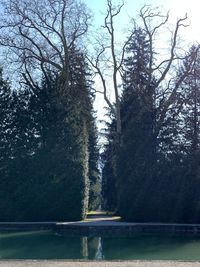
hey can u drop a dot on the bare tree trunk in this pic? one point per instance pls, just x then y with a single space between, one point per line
115 60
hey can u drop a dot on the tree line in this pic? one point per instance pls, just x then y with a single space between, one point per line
49 154
152 174
48 145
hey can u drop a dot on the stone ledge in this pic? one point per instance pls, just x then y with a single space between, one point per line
115 229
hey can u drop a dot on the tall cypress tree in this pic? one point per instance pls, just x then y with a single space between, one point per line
137 152
5 131
94 175
109 174
190 135
65 120
5 119
52 145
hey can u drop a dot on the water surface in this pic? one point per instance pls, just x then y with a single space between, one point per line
49 245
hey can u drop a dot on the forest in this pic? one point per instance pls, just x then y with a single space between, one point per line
52 167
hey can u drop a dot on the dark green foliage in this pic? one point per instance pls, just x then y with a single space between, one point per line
6 106
179 152
52 147
136 159
61 158
5 120
129 166
109 176
156 166
94 175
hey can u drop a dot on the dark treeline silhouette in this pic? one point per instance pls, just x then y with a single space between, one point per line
48 152
153 175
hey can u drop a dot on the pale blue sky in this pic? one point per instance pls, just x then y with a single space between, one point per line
177 9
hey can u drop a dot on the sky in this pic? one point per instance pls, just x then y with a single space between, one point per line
177 9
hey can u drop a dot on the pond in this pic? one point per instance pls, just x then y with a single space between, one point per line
49 245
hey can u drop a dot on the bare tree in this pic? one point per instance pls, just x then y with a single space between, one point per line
41 34
162 78
159 70
109 53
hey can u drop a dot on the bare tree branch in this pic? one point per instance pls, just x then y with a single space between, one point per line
165 106
46 31
172 52
99 72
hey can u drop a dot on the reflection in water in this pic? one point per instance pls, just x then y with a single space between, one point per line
84 242
92 248
48 245
99 254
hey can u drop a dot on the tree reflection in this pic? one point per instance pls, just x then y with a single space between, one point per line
99 254
84 246
91 248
